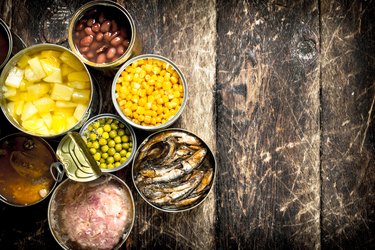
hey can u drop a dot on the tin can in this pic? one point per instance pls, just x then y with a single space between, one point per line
6 43
93 103
120 111
78 210
29 170
185 189
114 9
96 118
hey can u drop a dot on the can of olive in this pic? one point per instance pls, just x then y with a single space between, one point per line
103 34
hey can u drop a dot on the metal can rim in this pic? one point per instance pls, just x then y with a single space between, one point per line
132 132
124 238
213 179
123 116
53 153
13 61
74 20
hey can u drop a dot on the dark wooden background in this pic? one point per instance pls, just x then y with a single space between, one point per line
283 92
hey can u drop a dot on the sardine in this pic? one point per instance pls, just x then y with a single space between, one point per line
206 180
184 202
180 193
183 137
169 176
194 161
179 184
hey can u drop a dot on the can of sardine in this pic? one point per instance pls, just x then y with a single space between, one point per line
174 170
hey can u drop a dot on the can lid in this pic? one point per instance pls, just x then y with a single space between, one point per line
78 163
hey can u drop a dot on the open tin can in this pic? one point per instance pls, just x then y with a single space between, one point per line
90 209
103 34
29 170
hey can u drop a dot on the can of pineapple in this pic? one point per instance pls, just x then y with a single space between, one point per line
45 90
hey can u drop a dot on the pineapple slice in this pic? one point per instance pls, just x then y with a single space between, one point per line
50 65
50 53
80 76
9 92
36 125
64 104
44 105
19 106
24 84
80 111
81 96
47 118
37 68
36 91
15 77
79 85
71 60
66 112
11 107
22 63
61 92
65 69
30 75
54 77
58 124
71 122
28 111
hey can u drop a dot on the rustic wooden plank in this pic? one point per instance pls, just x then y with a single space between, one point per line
348 95
185 32
268 133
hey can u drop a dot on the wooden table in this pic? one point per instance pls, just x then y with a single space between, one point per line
283 92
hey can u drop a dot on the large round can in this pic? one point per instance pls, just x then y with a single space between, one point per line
103 34
19 90
29 170
91 215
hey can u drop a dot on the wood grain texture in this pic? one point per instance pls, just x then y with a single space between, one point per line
268 125
348 95
185 32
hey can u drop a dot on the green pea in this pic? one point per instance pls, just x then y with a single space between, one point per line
117 164
103 165
121 132
95 144
96 125
118 147
122 160
128 154
105 135
104 148
89 144
92 151
110 165
111 151
113 134
124 138
114 126
117 156
100 131
102 160
117 139
97 156
123 152
121 125
110 160
102 121
109 120
89 128
102 141
107 128
125 145
104 155
93 136
111 144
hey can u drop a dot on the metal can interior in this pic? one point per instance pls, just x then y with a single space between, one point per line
134 47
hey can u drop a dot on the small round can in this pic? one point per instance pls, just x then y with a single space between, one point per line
114 9
6 43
